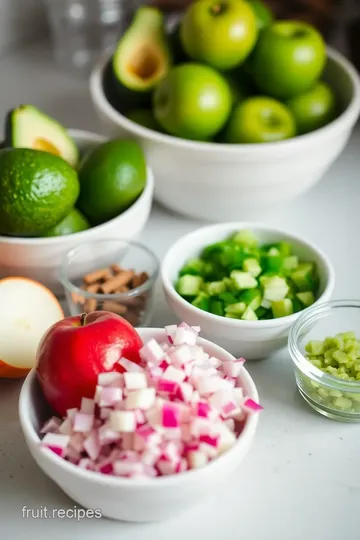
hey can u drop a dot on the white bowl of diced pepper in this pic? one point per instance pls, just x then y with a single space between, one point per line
245 284
324 344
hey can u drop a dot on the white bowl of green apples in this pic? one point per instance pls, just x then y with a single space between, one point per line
238 113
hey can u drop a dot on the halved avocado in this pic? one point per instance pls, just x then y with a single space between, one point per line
28 127
142 57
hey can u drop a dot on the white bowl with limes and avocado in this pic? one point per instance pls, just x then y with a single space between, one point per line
71 187
236 143
245 284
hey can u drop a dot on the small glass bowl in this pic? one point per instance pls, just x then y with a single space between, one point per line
134 304
329 395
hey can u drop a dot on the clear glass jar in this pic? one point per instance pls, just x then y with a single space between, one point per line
329 395
83 30
135 305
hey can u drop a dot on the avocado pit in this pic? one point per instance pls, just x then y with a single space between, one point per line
145 64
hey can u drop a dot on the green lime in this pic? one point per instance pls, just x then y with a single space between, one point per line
37 189
112 177
73 223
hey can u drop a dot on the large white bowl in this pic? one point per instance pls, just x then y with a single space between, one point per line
251 339
40 258
220 182
155 499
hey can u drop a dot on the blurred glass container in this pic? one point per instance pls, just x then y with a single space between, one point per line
82 30
135 303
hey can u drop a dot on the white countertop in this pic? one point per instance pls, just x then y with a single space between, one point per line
302 478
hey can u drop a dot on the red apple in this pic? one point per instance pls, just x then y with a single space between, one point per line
75 350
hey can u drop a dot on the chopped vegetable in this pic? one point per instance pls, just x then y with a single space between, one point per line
178 410
239 278
338 356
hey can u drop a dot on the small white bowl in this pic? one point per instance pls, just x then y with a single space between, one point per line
40 258
155 499
221 182
250 339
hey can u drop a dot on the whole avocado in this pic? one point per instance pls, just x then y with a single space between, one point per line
112 177
37 190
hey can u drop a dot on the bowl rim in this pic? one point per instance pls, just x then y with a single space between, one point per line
247 434
82 137
302 363
141 289
253 226
348 116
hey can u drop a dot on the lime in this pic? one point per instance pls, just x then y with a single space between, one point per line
112 177
73 223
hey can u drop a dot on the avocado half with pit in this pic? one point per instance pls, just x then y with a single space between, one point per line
28 127
142 57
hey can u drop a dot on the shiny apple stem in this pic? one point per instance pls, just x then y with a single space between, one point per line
83 319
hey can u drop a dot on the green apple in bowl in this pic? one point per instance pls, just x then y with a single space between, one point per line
314 109
263 14
259 120
221 33
288 59
192 102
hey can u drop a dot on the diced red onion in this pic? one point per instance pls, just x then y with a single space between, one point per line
141 399
174 374
83 422
112 378
122 421
152 352
107 435
252 406
196 459
56 443
128 468
70 413
135 381
170 415
110 396
232 369
92 445
66 427
52 425
129 366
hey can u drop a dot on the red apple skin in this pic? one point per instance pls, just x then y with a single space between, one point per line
76 349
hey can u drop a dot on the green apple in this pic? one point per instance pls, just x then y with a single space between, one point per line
193 102
221 33
259 120
288 59
263 14
313 109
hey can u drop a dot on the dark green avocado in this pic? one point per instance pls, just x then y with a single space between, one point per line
37 189
141 59
28 127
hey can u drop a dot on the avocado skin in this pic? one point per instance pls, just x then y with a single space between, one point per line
37 190
121 98
9 128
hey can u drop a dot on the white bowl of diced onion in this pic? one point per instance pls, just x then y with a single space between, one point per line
137 497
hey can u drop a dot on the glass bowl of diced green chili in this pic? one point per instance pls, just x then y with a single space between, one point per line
324 344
